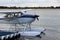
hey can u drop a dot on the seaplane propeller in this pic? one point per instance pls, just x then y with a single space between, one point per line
38 19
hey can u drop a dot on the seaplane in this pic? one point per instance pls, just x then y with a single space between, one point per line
21 18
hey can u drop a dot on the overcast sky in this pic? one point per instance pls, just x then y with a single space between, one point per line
30 3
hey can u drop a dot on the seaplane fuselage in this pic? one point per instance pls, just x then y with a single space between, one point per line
27 18
24 19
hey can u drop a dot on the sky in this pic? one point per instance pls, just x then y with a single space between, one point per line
30 3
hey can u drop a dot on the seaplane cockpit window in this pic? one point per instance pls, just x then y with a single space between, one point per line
12 15
6 16
9 15
19 14
16 15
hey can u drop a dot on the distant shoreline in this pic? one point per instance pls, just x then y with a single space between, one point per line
14 7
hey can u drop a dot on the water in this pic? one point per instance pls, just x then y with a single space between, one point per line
49 19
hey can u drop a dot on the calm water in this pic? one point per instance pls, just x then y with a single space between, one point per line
49 18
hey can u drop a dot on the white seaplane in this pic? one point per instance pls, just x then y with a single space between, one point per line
21 18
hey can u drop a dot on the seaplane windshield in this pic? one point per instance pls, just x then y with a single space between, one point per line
13 15
10 14
17 14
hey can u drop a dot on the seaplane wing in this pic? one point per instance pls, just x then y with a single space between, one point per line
13 12
8 12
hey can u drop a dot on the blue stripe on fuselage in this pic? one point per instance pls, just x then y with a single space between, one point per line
23 16
28 16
